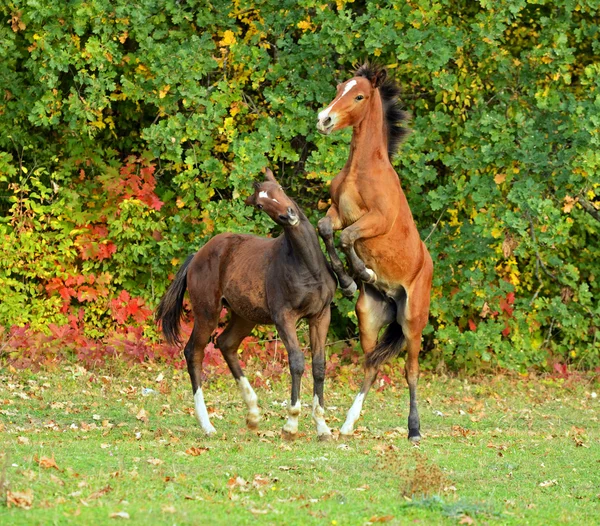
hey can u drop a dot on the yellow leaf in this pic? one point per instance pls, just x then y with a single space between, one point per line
228 39
499 179
163 92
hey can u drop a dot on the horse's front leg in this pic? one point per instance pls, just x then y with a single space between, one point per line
369 225
318 326
327 225
286 327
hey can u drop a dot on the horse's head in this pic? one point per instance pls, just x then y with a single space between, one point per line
351 101
269 197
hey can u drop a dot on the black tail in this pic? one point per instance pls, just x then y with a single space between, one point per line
389 346
169 309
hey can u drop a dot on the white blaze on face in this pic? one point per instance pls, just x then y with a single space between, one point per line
353 415
325 113
264 194
291 426
251 400
202 413
318 414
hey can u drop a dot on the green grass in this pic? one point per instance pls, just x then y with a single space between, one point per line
495 451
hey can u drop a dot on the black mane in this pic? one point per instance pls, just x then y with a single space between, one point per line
394 116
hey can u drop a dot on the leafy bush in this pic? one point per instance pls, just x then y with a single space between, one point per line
131 132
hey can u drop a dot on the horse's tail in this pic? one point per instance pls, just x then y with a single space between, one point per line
168 312
389 346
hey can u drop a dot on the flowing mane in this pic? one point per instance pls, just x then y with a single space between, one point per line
394 116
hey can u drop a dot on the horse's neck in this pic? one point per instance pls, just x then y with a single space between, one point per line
304 244
369 140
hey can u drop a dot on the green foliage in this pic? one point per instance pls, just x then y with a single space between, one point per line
129 135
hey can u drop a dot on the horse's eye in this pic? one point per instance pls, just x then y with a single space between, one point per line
360 97
260 207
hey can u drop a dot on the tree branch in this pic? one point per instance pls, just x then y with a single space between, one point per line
589 208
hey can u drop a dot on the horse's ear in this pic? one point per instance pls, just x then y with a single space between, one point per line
269 176
379 78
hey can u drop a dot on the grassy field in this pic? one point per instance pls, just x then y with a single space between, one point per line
84 448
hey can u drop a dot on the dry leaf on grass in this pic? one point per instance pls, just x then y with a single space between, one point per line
23 440
46 462
142 415
100 493
466 520
154 461
19 499
168 509
548 483
119 515
384 518
196 451
260 481
56 480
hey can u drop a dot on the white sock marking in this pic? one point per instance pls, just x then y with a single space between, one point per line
202 413
347 88
251 400
318 414
291 426
353 415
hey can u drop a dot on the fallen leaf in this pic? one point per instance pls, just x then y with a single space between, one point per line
154 461
548 483
383 518
196 451
142 415
160 377
119 515
46 462
23 440
466 520
236 482
100 493
260 481
56 480
19 499
168 509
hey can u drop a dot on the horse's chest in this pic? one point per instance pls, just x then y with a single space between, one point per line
350 208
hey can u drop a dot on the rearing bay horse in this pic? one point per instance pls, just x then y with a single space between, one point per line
379 237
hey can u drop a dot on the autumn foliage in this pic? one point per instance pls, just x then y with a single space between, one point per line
129 135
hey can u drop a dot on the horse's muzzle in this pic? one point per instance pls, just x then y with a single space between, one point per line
291 218
325 126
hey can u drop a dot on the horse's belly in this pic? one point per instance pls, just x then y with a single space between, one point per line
250 305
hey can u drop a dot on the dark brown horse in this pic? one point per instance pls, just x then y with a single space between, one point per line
261 281
379 237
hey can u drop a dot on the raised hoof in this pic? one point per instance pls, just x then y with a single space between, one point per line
370 275
325 437
349 291
289 437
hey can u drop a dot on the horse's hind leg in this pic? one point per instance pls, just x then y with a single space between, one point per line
194 355
374 312
318 326
228 342
413 321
